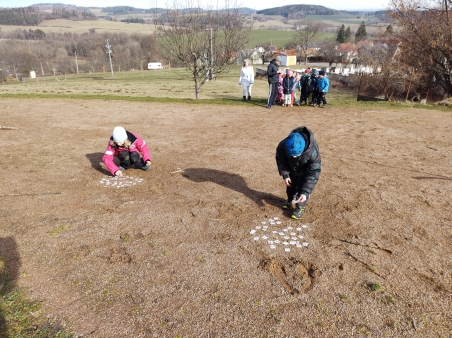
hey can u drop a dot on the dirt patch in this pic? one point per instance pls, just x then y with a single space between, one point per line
173 255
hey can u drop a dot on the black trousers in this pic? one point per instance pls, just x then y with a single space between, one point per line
321 98
273 90
292 190
127 159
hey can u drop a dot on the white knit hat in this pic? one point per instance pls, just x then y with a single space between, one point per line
119 134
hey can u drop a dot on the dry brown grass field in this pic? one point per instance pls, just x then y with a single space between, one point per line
174 254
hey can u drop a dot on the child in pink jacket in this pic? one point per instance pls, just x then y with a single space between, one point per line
129 148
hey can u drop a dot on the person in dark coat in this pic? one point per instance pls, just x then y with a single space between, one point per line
299 164
273 80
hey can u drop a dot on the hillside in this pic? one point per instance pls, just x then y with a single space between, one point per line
306 9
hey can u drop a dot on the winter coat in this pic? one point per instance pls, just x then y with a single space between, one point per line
306 84
308 164
288 85
314 81
272 72
323 85
246 76
113 150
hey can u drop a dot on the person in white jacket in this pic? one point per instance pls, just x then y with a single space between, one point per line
246 78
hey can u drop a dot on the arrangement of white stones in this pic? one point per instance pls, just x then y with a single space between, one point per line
274 233
119 181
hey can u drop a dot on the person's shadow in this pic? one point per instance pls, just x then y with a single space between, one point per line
231 181
96 160
9 273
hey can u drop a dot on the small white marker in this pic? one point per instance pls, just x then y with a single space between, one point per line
275 218
272 246
298 229
264 237
305 244
256 238
279 222
287 249
285 243
304 226
252 232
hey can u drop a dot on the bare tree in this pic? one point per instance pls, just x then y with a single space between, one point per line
206 42
425 30
390 75
305 35
328 49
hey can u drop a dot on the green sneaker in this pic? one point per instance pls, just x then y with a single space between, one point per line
298 213
287 205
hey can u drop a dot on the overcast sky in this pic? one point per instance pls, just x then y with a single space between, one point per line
255 4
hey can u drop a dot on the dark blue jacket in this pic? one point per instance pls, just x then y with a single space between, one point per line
272 72
308 164
288 85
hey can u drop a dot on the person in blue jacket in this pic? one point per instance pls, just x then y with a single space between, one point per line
323 85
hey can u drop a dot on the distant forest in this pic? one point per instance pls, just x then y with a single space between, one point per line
32 16
289 10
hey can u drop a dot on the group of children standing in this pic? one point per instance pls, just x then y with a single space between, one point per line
309 87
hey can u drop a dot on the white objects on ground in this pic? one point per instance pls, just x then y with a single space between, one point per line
269 232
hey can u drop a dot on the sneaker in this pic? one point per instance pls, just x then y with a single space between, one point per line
298 213
283 105
287 205
268 106
146 167
324 106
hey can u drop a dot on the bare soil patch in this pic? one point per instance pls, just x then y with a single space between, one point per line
173 255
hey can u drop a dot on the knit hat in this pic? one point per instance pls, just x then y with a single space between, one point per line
307 71
295 144
278 58
289 72
322 72
315 73
119 134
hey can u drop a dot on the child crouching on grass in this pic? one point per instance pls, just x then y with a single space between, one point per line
129 148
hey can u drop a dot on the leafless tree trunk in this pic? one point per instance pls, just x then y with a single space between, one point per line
305 35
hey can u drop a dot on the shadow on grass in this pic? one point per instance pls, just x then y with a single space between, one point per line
96 162
233 182
9 272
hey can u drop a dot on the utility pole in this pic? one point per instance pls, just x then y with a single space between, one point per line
211 53
76 61
109 56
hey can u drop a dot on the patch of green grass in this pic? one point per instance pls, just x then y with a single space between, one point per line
362 329
373 286
23 318
343 297
57 230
